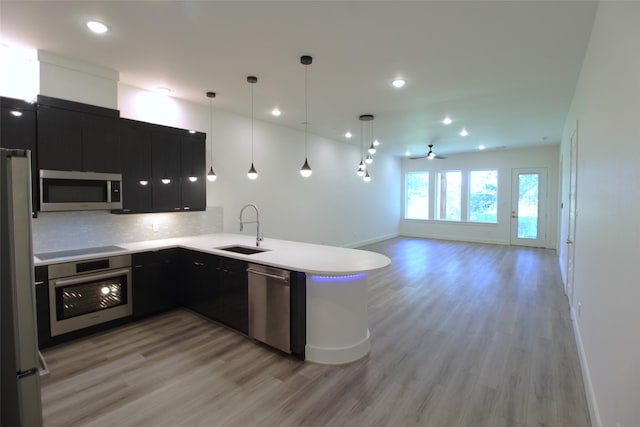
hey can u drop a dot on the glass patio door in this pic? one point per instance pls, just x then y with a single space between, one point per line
528 207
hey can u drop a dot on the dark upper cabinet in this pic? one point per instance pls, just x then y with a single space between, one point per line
157 164
193 172
135 140
165 169
101 144
75 136
18 130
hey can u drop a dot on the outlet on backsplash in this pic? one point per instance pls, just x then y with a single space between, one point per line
155 227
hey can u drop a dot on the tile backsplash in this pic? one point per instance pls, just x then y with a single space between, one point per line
55 231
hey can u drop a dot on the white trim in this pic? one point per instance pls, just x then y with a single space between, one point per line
371 241
338 355
594 412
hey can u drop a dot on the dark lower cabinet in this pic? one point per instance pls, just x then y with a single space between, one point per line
42 306
233 293
213 286
154 282
217 288
199 284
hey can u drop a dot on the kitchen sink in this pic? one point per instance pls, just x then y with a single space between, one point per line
246 250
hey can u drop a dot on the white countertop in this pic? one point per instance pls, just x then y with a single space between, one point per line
296 256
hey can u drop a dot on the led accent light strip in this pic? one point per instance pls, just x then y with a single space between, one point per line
346 278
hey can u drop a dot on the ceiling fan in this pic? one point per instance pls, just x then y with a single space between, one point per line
430 155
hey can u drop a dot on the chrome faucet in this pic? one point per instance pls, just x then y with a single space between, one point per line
257 222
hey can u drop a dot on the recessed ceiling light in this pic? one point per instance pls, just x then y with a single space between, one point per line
163 90
464 132
16 113
399 83
348 134
447 121
481 147
97 27
276 112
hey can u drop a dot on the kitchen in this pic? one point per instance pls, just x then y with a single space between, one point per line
351 213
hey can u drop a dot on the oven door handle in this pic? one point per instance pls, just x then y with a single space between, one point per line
91 277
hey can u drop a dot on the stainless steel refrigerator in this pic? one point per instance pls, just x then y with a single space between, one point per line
20 389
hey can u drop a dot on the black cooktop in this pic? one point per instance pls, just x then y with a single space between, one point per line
78 252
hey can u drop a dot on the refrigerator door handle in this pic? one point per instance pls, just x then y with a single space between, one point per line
44 368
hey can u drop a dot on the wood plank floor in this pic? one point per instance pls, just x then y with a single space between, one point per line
462 335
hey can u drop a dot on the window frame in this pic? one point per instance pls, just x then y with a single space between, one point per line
469 173
406 195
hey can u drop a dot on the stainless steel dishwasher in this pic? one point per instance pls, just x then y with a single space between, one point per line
270 306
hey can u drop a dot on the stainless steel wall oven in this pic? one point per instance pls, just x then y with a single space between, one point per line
86 293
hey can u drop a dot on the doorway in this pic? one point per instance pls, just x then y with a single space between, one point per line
528 207
571 216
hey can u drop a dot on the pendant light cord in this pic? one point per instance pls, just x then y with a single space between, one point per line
252 123
211 127
306 111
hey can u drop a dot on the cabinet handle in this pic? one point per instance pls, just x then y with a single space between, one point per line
199 264
138 266
39 282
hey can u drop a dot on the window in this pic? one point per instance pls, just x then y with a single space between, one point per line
449 195
417 195
483 196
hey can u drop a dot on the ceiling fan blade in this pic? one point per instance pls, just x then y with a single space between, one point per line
418 157
440 157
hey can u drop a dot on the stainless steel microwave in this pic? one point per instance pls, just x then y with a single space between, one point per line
79 191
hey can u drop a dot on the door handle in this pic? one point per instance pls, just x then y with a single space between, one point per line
569 242
513 214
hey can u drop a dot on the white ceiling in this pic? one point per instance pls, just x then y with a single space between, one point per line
503 70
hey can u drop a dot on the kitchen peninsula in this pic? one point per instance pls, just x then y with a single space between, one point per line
336 283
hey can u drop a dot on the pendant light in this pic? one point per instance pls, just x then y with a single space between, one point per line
306 169
211 175
364 135
253 173
366 177
372 147
361 166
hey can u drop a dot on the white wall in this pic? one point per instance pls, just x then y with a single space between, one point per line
78 81
607 106
504 161
334 206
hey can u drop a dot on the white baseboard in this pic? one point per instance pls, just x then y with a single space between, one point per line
591 395
454 238
371 241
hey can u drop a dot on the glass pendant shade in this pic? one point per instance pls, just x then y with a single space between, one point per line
306 169
372 149
366 177
253 173
369 159
211 176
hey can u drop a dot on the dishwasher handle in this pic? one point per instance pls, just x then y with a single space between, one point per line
269 275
